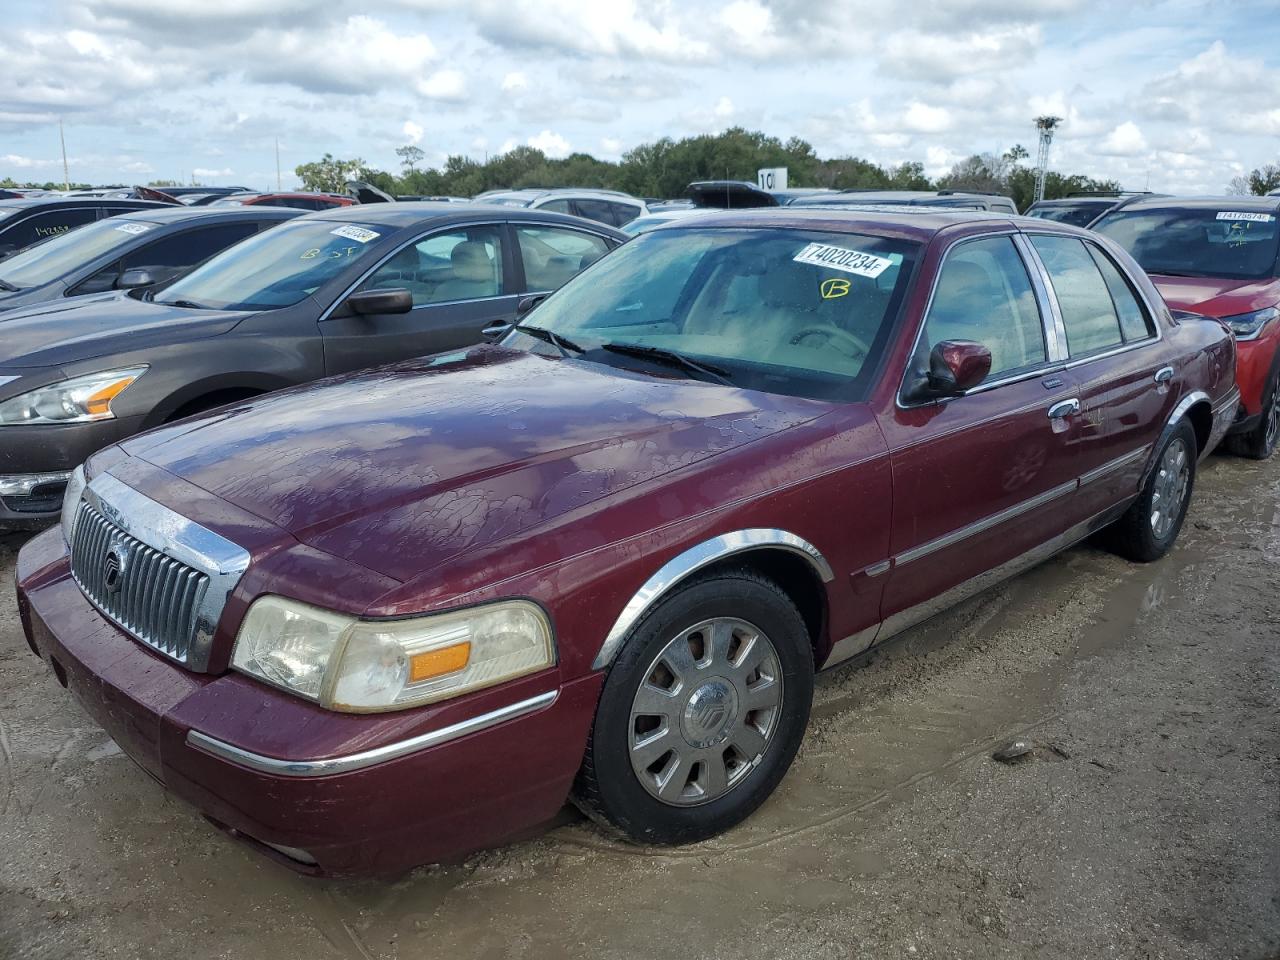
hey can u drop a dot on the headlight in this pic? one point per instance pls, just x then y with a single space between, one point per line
363 666
1247 326
79 400
70 503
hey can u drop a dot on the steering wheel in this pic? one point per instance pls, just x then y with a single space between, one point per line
834 333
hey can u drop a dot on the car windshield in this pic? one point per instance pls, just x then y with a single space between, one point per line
1076 214
787 311
1198 241
64 252
276 268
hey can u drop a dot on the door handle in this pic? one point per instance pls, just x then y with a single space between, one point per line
1064 409
1164 374
496 330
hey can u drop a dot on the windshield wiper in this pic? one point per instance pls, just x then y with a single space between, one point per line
188 304
6 285
563 344
669 358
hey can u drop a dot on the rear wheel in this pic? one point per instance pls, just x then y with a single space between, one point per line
702 712
1147 530
1260 442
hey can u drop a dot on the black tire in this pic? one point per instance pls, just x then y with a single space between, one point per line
610 791
1135 535
1260 442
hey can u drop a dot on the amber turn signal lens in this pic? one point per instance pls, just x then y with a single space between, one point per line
100 401
436 663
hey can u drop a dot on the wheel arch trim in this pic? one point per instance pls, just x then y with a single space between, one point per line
680 567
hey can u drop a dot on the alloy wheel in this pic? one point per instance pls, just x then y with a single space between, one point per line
1170 490
705 712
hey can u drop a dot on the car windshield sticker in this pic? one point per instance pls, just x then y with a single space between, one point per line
134 228
842 258
359 234
833 288
1251 217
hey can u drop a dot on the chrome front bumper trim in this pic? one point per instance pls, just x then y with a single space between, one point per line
367 758
21 484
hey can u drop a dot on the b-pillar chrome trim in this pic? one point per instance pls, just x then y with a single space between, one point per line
694 559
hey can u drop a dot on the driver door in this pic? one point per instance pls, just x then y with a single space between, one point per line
461 282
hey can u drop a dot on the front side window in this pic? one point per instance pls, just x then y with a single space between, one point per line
278 267
1076 214
461 264
554 255
69 251
597 210
796 312
557 206
42 226
984 295
1088 312
1199 241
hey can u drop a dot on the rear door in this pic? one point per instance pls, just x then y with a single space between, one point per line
983 478
462 281
1120 364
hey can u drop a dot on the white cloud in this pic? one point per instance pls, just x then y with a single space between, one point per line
360 54
552 144
448 85
514 82
137 166
611 146
923 118
724 108
412 131
1126 140
944 56
206 173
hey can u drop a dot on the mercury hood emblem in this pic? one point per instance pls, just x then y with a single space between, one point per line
113 569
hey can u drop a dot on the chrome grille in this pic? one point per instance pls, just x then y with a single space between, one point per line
155 597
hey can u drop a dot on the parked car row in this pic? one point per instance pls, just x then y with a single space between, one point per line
409 610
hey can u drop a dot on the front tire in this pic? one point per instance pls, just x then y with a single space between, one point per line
1260 442
702 712
1147 530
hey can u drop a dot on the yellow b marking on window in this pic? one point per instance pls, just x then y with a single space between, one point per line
835 287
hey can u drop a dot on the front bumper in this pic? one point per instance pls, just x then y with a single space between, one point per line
395 802
1255 363
51 449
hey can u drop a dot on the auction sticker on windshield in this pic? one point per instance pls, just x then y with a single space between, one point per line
359 234
842 258
1251 217
134 228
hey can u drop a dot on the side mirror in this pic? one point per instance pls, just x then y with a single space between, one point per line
134 278
954 367
397 300
528 303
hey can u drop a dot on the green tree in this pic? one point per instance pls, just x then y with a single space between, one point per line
328 174
410 156
1259 182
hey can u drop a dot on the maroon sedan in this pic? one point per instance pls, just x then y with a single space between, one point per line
404 614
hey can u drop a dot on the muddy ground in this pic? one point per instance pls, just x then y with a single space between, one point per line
1146 824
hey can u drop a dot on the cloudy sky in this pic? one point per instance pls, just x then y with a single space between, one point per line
1176 95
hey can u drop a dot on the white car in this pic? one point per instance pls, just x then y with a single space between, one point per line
603 206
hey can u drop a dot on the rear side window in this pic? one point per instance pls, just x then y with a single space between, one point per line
598 210
1088 312
623 213
984 294
554 255
557 206
44 225
1134 322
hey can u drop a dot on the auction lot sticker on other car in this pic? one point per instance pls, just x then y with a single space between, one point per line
842 258
359 234
1250 217
134 228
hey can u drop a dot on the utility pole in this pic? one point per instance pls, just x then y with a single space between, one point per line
278 187
66 175
1046 125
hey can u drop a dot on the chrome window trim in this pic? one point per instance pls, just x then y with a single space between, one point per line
178 537
691 561
1112 466
1036 371
986 523
366 758
1055 329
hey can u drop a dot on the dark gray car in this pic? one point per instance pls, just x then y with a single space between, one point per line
24 222
325 293
129 251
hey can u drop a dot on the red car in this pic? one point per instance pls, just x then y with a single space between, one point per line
1219 256
404 614
302 201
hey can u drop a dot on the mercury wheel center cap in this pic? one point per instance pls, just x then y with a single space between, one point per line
709 713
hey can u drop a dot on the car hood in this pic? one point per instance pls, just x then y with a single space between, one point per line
1217 297
402 467
81 328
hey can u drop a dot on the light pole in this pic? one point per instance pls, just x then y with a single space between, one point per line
1046 125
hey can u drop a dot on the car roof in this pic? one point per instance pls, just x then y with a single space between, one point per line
535 193
917 223
170 214
410 213
1246 203
29 203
